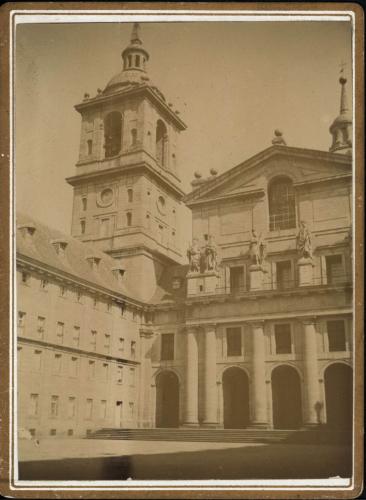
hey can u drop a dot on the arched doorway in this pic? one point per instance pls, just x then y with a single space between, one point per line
167 400
338 395
236 398
286 398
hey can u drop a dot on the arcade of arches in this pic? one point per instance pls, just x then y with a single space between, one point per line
287 406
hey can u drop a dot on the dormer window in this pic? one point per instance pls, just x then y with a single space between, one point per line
27 231
118 273
60 247
281 203
93 261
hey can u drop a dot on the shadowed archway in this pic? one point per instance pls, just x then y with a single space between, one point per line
286 398
236 398
167 399
338 396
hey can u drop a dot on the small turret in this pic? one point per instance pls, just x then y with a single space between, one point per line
341 128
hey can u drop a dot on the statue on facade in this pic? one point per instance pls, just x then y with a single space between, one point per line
194 256
303 241
210 255
257 248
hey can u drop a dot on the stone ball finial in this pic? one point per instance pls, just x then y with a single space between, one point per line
99 91
86 95
213 171
278 138
342 80
197 175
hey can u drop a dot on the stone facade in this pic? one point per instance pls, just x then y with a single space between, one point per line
114 330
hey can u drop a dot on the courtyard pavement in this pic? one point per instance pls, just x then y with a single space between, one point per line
83 459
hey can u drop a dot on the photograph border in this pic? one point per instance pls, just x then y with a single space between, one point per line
7 254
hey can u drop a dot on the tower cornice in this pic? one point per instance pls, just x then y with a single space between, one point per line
117 171
133 91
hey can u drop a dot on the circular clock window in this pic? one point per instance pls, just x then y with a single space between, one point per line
105 197
161 204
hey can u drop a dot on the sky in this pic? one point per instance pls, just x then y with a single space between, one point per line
233 83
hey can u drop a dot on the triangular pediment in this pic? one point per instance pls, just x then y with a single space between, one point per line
252 176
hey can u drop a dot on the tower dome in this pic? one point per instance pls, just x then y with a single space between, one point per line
341 128
134 58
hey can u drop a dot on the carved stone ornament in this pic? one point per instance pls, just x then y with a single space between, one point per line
303 242
257 249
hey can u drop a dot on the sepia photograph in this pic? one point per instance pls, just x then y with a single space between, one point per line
184 250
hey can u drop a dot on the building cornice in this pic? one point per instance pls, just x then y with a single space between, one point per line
75 281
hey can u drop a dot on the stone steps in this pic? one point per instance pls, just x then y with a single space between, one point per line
204 435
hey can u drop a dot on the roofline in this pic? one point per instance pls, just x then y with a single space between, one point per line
139 89
75 179
60 274
262 155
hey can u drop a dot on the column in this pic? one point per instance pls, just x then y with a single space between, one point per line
145 407
258 385
311 379
191 380
210 386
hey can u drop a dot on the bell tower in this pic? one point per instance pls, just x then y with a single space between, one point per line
127 190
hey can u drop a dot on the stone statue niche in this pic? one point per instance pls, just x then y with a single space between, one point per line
210 261
194 257
304 242
257 249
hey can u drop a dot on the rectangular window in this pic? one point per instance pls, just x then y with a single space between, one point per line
84 203
57 361
104 228
44 284
74 366
283 339
237 279
60 332
25 278
132 410
71 407
89 409
54 406
37 360
105 369
334 268
21 322
107 343
336 335
121 344
82 226
53 432
284 274
233 339
132 377
90 147
93 340
34 405
167 346
119 374
133 349
76 336
91 369
40 326
103 409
